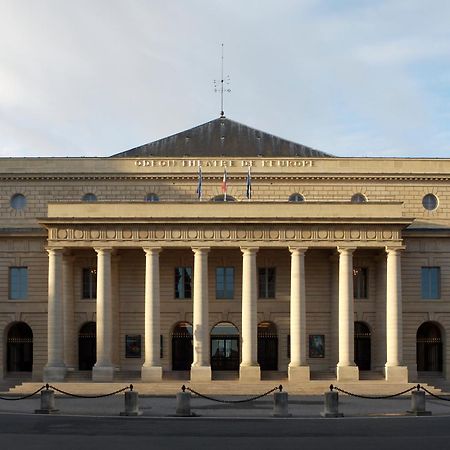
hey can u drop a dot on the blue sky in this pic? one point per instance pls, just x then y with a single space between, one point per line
351 78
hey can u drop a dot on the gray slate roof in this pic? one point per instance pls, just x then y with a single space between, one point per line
222 137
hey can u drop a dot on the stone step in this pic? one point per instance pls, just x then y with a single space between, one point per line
223 387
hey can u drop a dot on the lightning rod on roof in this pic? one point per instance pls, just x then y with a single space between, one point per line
222 86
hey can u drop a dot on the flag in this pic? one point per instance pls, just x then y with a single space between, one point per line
200 182
249 184
224 185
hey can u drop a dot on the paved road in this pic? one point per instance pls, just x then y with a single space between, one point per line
31 432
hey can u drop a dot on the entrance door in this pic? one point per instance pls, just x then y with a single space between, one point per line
267 346
362 346
225 347
429 348
19 348
182 350
87 346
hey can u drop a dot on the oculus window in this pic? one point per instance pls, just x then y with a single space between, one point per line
296 197
431 283
430 202
89 197
152 197
18 201
358 198
18 283
183 282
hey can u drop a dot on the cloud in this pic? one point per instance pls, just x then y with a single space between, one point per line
350 77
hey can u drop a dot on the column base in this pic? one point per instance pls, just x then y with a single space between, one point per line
103 373
298 373
347 373
54 373
151 373
200 373
396 374
249 374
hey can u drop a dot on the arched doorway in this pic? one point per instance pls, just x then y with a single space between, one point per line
182 350
87 346
19 348
362 346
429 348
267 346
225 347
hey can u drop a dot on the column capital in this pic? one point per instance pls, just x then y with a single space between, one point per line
249 249
298 249
394 249
103 249
343 250
150 250
54 250
201 249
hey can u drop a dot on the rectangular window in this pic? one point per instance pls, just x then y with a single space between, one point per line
18 283
266 282
90 282
360 282
224 282
183 282
431 282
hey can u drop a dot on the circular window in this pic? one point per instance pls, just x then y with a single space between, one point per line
90 197
430 202
151 198
222 198
358 198
296 198
18 201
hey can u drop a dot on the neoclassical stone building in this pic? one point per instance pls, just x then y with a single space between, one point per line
136 264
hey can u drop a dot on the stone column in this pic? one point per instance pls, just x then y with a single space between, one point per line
249 369
334 310
298 368
394 371
69 315
55 370
103 369
380 299
201 365
346 368
151 369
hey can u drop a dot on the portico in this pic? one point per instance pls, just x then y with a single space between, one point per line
204 230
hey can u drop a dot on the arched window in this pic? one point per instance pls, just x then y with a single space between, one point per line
221 198
89 197
296 197
18 201
430 202
182 350
19 350
152 197
225 347
358 198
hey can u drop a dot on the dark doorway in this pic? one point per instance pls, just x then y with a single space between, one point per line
362 346
267 346
225 347
87 346
19 348
182 350
429 348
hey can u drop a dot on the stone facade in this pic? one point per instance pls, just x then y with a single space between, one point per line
134 246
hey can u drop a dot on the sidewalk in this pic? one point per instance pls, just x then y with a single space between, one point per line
164 406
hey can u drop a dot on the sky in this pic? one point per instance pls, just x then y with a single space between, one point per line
348 77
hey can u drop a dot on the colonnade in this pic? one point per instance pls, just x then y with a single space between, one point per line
298 368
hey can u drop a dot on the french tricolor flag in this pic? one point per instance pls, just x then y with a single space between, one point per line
224 185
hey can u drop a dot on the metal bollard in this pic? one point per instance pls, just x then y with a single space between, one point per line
418 403
280 404
331 404
131 403
184 403
47 402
